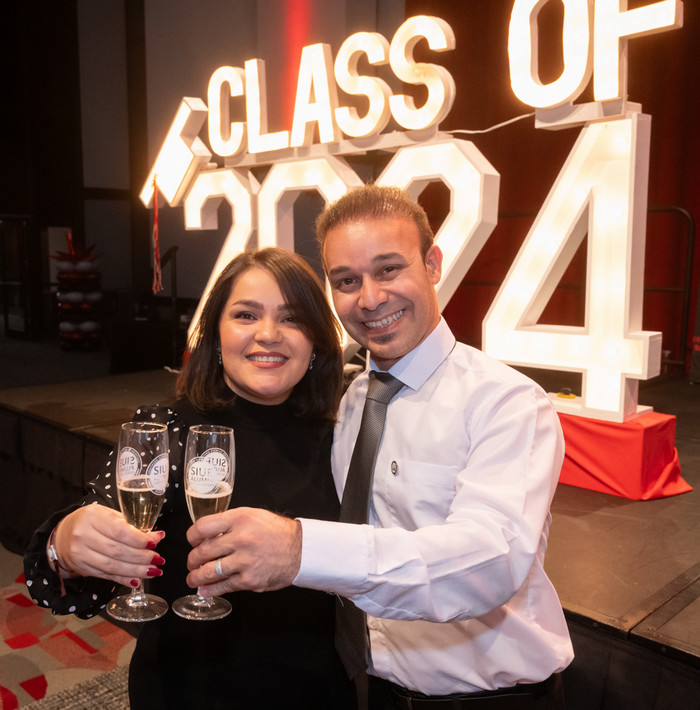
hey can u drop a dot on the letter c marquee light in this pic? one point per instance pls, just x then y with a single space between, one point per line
225 138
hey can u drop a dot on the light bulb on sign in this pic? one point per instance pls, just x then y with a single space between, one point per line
522 53
376 90
612 349
600 191
438 81
226 138
201 212
315 73
473 184
594 42
614 25
181 156
331 177
259 140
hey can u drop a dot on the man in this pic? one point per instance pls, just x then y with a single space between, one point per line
450 567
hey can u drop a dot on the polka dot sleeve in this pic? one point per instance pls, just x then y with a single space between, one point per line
87 596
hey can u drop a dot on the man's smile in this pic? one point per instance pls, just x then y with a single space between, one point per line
384 322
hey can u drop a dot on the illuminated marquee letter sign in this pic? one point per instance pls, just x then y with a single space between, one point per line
600 191
594 39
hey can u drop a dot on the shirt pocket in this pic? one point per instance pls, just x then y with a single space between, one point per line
419 493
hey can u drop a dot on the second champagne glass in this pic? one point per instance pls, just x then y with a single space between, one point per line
209 474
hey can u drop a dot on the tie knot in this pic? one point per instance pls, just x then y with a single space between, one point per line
382 387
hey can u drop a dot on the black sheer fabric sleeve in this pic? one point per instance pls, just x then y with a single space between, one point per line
87 596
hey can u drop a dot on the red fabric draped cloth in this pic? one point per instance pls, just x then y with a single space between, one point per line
636 459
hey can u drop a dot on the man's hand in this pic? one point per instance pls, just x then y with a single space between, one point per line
257 550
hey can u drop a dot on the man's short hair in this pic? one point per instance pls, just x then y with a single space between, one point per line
374 202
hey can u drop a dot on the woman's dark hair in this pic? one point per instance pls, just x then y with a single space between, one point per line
318 393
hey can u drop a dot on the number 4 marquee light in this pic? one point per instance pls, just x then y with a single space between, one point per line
601 190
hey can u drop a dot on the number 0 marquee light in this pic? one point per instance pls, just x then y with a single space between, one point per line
601 189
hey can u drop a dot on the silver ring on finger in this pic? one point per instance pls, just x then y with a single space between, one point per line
219 571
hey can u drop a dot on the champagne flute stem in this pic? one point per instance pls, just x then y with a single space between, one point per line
203 601
138 596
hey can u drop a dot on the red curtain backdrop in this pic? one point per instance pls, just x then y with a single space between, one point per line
663 77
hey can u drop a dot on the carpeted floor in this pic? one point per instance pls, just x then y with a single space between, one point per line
42 655
108 691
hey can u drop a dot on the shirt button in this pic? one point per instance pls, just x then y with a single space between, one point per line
395 468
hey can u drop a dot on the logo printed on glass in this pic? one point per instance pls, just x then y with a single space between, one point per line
129 463
157 474
205 472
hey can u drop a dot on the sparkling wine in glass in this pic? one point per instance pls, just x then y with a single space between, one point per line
142 477
209 474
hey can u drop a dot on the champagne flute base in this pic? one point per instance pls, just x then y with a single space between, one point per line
196 608
147 608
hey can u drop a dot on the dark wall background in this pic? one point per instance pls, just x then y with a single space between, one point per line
41 130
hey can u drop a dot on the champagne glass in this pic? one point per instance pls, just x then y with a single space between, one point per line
209 473
142 477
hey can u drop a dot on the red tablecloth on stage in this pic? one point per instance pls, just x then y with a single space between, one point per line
636 459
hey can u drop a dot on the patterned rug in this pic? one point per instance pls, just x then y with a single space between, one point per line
109 691
42 654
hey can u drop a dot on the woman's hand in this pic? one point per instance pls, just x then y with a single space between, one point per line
255 549
96 541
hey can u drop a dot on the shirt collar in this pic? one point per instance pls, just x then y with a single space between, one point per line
414 368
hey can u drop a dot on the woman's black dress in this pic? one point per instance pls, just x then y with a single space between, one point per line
275 650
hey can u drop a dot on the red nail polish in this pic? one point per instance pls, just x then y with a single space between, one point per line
157 560
154 572
134 583
150 545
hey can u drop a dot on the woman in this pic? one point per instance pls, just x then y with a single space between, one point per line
266 360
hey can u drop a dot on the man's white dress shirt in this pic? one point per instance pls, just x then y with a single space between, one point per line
450 568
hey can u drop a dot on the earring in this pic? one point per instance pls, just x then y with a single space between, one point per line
218 353
311 362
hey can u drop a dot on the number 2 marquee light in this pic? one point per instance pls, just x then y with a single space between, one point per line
600 191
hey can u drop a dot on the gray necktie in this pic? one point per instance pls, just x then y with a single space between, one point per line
350 622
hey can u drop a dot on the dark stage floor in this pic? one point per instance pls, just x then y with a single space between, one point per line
627 572
634 566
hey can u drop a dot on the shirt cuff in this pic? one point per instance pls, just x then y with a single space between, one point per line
334 557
